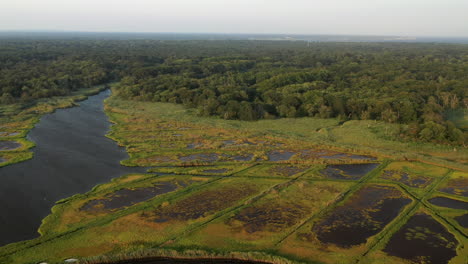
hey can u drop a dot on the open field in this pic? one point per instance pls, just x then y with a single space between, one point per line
281 191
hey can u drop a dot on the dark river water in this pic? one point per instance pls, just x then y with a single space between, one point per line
72 155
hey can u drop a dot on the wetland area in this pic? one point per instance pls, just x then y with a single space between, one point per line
220 191
71 156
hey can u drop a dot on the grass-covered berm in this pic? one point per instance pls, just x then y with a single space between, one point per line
280 191
17 119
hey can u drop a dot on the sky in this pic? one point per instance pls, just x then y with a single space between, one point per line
442 18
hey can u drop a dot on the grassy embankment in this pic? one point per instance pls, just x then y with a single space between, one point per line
232 197
17 119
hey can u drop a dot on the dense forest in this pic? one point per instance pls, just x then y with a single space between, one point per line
416 85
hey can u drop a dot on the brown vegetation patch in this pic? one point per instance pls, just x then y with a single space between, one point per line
8 134
272 217
205 157
9 145
237 143
280 155
279 211
194 145
160 159
348 171
169 260
167 145
243 157
203 203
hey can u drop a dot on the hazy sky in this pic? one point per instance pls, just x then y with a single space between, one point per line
369 17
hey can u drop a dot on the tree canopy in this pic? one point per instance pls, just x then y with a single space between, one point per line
411 84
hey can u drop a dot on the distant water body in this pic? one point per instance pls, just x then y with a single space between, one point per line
72 155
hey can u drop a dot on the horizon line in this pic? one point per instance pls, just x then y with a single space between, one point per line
220 33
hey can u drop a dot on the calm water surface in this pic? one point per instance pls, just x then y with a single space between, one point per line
72 155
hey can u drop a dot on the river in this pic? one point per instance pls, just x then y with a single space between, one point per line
72 155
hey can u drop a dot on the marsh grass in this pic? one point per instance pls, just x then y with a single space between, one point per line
272 217
257 209
347 137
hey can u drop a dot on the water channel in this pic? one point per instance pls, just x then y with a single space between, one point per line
71 156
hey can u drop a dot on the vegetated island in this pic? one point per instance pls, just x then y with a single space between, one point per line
354 148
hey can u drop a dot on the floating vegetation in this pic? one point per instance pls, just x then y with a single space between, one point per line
457 185
348 171
423 240
363 215
417 181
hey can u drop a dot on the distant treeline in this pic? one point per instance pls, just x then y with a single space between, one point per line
412 84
